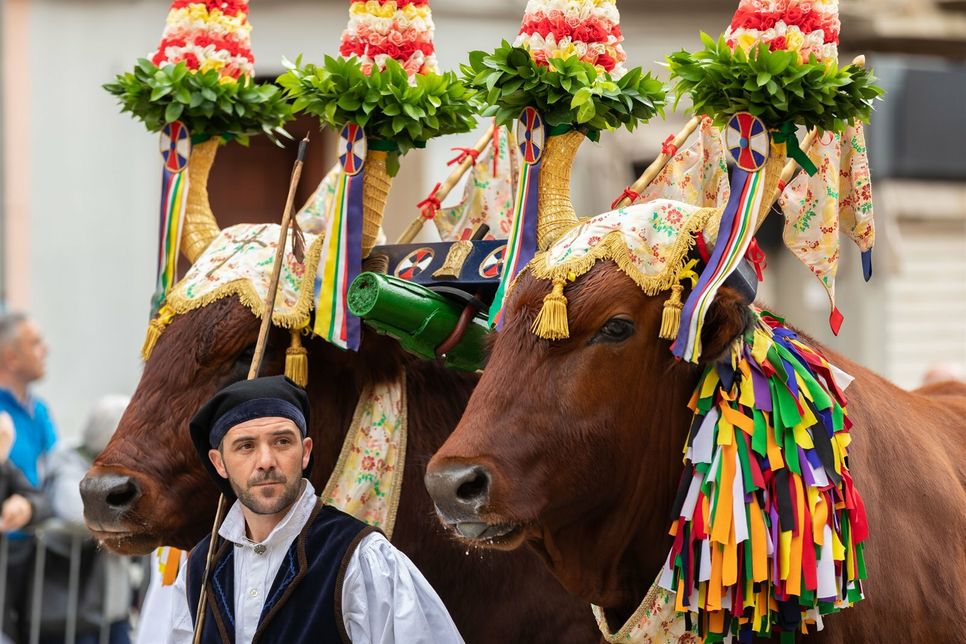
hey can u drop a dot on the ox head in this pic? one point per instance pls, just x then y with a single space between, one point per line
148 483
575 445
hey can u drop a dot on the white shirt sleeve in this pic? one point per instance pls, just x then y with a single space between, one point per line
386 600
181 628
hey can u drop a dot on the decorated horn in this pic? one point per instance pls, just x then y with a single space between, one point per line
200 227
556 214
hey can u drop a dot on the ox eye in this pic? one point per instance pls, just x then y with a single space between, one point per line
614 330
245 358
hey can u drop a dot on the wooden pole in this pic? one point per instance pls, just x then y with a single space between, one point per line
650 174
447 186
267 310
791 167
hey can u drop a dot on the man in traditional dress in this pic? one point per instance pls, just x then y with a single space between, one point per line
286 567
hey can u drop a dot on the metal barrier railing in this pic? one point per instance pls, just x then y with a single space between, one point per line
41 534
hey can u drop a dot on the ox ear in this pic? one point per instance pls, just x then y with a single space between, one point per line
728 318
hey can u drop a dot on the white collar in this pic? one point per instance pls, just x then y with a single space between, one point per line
233 528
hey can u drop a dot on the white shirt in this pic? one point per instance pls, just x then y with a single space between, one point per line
385 599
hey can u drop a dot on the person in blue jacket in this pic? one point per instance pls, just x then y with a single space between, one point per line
23 354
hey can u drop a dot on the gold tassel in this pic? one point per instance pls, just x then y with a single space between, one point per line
551 322
297 360
155 328
671 319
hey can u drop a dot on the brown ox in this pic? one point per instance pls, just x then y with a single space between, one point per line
147 488
575 448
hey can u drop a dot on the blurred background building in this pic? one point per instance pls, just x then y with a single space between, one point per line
79 183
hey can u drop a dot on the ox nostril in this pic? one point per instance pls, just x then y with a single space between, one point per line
459 491
476 486
121 495
106 496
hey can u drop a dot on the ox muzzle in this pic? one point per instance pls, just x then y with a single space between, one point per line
108 497
461 493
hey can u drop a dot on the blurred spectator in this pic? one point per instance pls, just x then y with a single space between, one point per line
22 356
944 372
21 504
105 583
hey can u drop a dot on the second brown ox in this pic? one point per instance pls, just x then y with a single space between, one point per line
574 447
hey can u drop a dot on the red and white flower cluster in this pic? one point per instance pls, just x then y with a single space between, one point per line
399 29
806 26
208 34
588 29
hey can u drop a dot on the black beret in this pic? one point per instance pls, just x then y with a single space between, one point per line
274 396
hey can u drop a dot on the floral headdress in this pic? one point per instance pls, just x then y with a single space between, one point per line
564 79
197 90
386 96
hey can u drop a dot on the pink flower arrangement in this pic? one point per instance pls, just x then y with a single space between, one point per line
588 29
398 29
810 27
208 34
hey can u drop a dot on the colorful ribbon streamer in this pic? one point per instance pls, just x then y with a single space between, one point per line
174 192
341 262
734 236
522 241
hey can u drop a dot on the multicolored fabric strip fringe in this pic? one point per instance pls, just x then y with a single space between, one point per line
340 263
769 529
735 233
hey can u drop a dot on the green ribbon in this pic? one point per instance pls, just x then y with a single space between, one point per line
383 145
557 130
786 134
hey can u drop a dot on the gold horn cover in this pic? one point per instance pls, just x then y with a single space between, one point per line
556 214
200 227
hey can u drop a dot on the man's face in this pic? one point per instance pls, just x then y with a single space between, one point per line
25 355
263 459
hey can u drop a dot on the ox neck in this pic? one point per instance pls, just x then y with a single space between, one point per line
649 496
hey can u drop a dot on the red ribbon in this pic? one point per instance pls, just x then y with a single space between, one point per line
628 193
781 186
429 206
464 153
757 256
668 146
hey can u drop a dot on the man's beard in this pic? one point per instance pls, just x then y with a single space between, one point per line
252 500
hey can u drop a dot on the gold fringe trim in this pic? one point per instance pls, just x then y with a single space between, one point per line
156 327
671 318
297 318
556 214
375 192
200 227
297 360
551 322
614 248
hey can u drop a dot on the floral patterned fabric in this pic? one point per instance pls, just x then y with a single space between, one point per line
697 175
367 479
488 196
839 196
649 242
654 622
315 213
239 263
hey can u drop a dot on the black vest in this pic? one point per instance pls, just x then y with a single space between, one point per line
307 590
